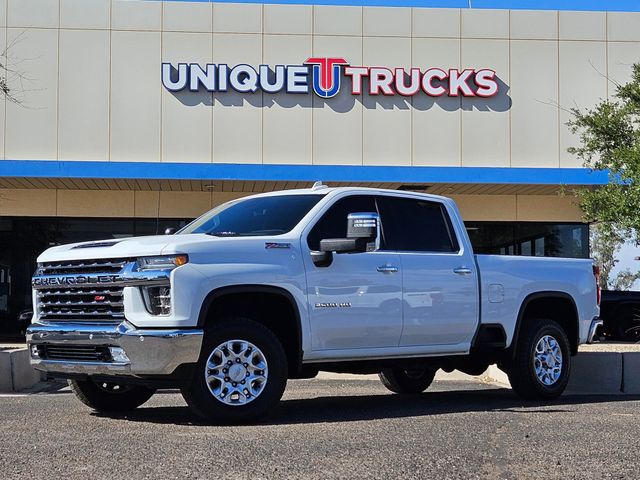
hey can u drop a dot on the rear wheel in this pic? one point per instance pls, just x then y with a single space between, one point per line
542 362
110 397
241 373
407 381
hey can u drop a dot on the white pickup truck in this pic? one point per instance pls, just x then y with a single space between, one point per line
282 285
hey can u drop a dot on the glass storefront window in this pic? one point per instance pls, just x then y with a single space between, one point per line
530 239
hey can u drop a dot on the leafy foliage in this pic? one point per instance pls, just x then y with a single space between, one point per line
610 140
605 245
625 280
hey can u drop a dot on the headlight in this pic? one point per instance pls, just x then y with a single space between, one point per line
165 262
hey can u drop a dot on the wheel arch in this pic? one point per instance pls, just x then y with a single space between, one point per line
250 301
541 305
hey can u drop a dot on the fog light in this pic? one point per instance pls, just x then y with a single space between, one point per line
34 351
157 300
118 355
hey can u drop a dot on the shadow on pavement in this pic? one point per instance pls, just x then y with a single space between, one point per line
337 408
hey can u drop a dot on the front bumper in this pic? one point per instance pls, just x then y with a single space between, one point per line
149 351
596 324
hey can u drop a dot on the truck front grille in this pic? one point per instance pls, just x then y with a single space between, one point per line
72 301
82 267
78 353
91 304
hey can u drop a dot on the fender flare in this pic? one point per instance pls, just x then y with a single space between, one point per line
536 296
220 292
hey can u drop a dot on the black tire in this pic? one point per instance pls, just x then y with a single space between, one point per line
521 370
201 399
407 381
110 397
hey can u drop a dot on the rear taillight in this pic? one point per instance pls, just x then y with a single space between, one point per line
596 274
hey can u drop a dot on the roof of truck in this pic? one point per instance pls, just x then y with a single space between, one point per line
324 189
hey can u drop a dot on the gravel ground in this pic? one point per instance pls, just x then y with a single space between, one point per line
329 429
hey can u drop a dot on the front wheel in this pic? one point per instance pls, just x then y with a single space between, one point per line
407 381
241 373
110 397
540 367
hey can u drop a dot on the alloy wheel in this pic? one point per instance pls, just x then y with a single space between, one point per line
236 372
547 360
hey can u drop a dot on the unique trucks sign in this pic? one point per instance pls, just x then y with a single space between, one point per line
324 76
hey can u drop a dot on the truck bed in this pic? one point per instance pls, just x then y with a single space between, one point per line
507 281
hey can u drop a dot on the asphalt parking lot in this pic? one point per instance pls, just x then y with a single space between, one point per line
329 429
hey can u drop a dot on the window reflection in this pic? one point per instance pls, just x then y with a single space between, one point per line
530 239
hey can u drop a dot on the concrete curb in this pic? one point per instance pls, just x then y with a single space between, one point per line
593 373
15 371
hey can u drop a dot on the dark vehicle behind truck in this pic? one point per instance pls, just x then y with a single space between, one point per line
620 312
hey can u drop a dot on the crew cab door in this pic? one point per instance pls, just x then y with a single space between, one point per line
355 302
440 278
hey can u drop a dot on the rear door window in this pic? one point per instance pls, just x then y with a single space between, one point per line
415 225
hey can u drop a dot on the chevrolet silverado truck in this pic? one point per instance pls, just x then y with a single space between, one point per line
283 285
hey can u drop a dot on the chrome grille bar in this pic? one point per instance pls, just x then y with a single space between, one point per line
76 292
82 266
81 313
69 303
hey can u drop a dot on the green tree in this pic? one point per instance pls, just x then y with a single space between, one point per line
625 280
605 246
610 141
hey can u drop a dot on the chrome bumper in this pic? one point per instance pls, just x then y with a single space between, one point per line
149 352
596 323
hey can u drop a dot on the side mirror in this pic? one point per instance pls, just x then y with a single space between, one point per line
170 231
363 226
363 233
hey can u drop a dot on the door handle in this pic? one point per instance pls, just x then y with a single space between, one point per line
462 271
387 269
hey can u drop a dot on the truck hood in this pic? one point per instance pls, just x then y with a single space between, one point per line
126 247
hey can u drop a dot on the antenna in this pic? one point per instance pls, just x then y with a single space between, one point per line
318 185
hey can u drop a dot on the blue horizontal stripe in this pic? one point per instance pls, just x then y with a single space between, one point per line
301 173
589 5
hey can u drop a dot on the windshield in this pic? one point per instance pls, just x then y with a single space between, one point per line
273 215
